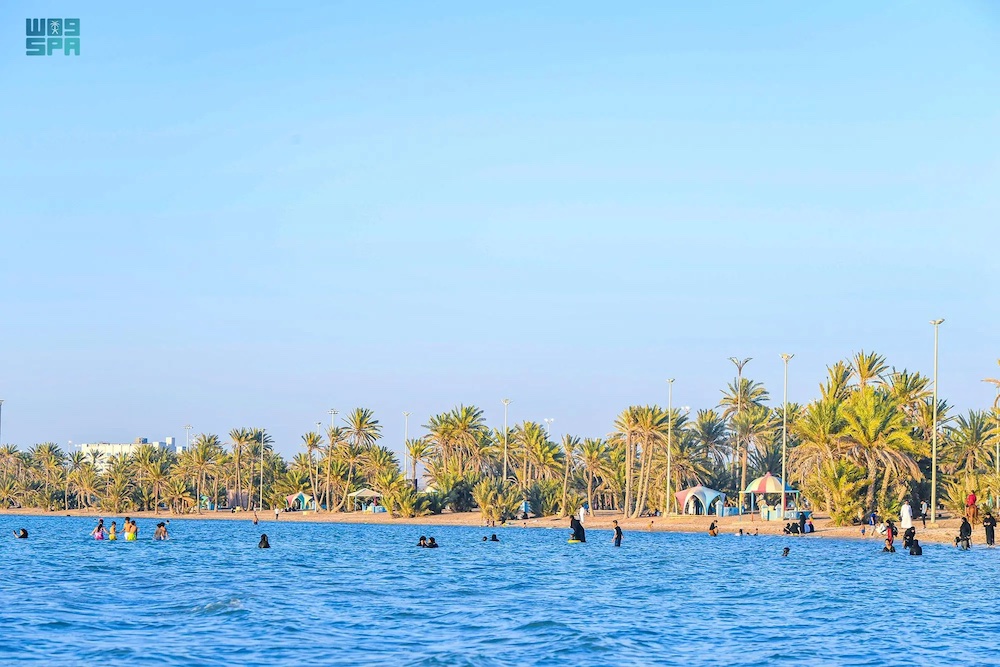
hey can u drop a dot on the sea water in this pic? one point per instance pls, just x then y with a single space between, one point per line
344 594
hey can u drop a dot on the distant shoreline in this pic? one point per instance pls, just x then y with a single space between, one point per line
943 533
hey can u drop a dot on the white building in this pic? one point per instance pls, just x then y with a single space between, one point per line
109 449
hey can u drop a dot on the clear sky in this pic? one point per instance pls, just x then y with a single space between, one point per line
232 214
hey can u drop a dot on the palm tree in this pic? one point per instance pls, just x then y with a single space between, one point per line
710 433
570 445
965 445
205 452
240 439
594 458
363 430
75 463
159 476
313 442
878 439
870 367
418 449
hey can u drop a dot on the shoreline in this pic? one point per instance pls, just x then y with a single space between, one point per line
943 533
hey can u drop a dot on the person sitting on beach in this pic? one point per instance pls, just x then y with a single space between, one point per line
431 544
422 542
787 530
888 546
908 536
263 544
98 532
810 528
21 534
494 538
916 549
794 527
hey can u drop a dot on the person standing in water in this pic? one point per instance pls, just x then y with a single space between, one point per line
113 532
617 539
989 525
263 544
916 549
578 533
98 532
21 534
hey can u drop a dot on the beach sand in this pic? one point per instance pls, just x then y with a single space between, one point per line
944 532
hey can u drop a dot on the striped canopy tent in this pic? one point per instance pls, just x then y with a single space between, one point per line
690 499
768 484
300 501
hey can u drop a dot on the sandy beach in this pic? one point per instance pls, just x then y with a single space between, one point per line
944 532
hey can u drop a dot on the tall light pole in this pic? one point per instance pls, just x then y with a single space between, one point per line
406 452
506 402
670 435
187 437
1 421
740 363
784 433
936 324
333 413
548 427
260 502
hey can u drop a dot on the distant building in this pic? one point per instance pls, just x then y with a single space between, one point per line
109 449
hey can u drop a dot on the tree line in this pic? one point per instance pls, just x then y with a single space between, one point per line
863 444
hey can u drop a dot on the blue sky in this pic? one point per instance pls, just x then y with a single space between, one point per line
246 214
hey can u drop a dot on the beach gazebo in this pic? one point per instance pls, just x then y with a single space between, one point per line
689 500
365 500
769 484
300 501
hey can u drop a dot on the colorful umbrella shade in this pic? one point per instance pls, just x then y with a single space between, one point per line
767 484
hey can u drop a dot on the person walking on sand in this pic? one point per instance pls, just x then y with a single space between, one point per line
989 525
617 539
905 516
923 512
277 513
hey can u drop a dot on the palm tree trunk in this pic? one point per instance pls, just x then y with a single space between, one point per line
590 492
565 488
239 500
629 464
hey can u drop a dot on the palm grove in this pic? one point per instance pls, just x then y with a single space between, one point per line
864 443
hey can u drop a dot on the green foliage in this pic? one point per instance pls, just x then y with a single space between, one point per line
544 496
497 500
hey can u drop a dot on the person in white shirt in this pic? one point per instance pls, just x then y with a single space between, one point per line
905 516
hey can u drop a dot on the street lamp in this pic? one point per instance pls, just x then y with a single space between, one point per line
333 413
187 437
506 402
670 434
740 363
548 427
406 435
936 324
784 433
260 502
1 421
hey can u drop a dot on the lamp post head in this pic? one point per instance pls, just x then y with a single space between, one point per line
331 411
505 401
937 322
686 409
787 356
670 380
407 414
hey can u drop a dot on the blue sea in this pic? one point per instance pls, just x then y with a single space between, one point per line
342 594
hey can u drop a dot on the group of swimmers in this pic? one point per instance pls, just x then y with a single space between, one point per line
429 543
493 538
129 529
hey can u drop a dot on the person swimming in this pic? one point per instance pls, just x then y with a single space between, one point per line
888 546
784 552
98 532
161 532
579 534
21 534
113 532
423 542
485 539
263 544
916 549
494 538
431 544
